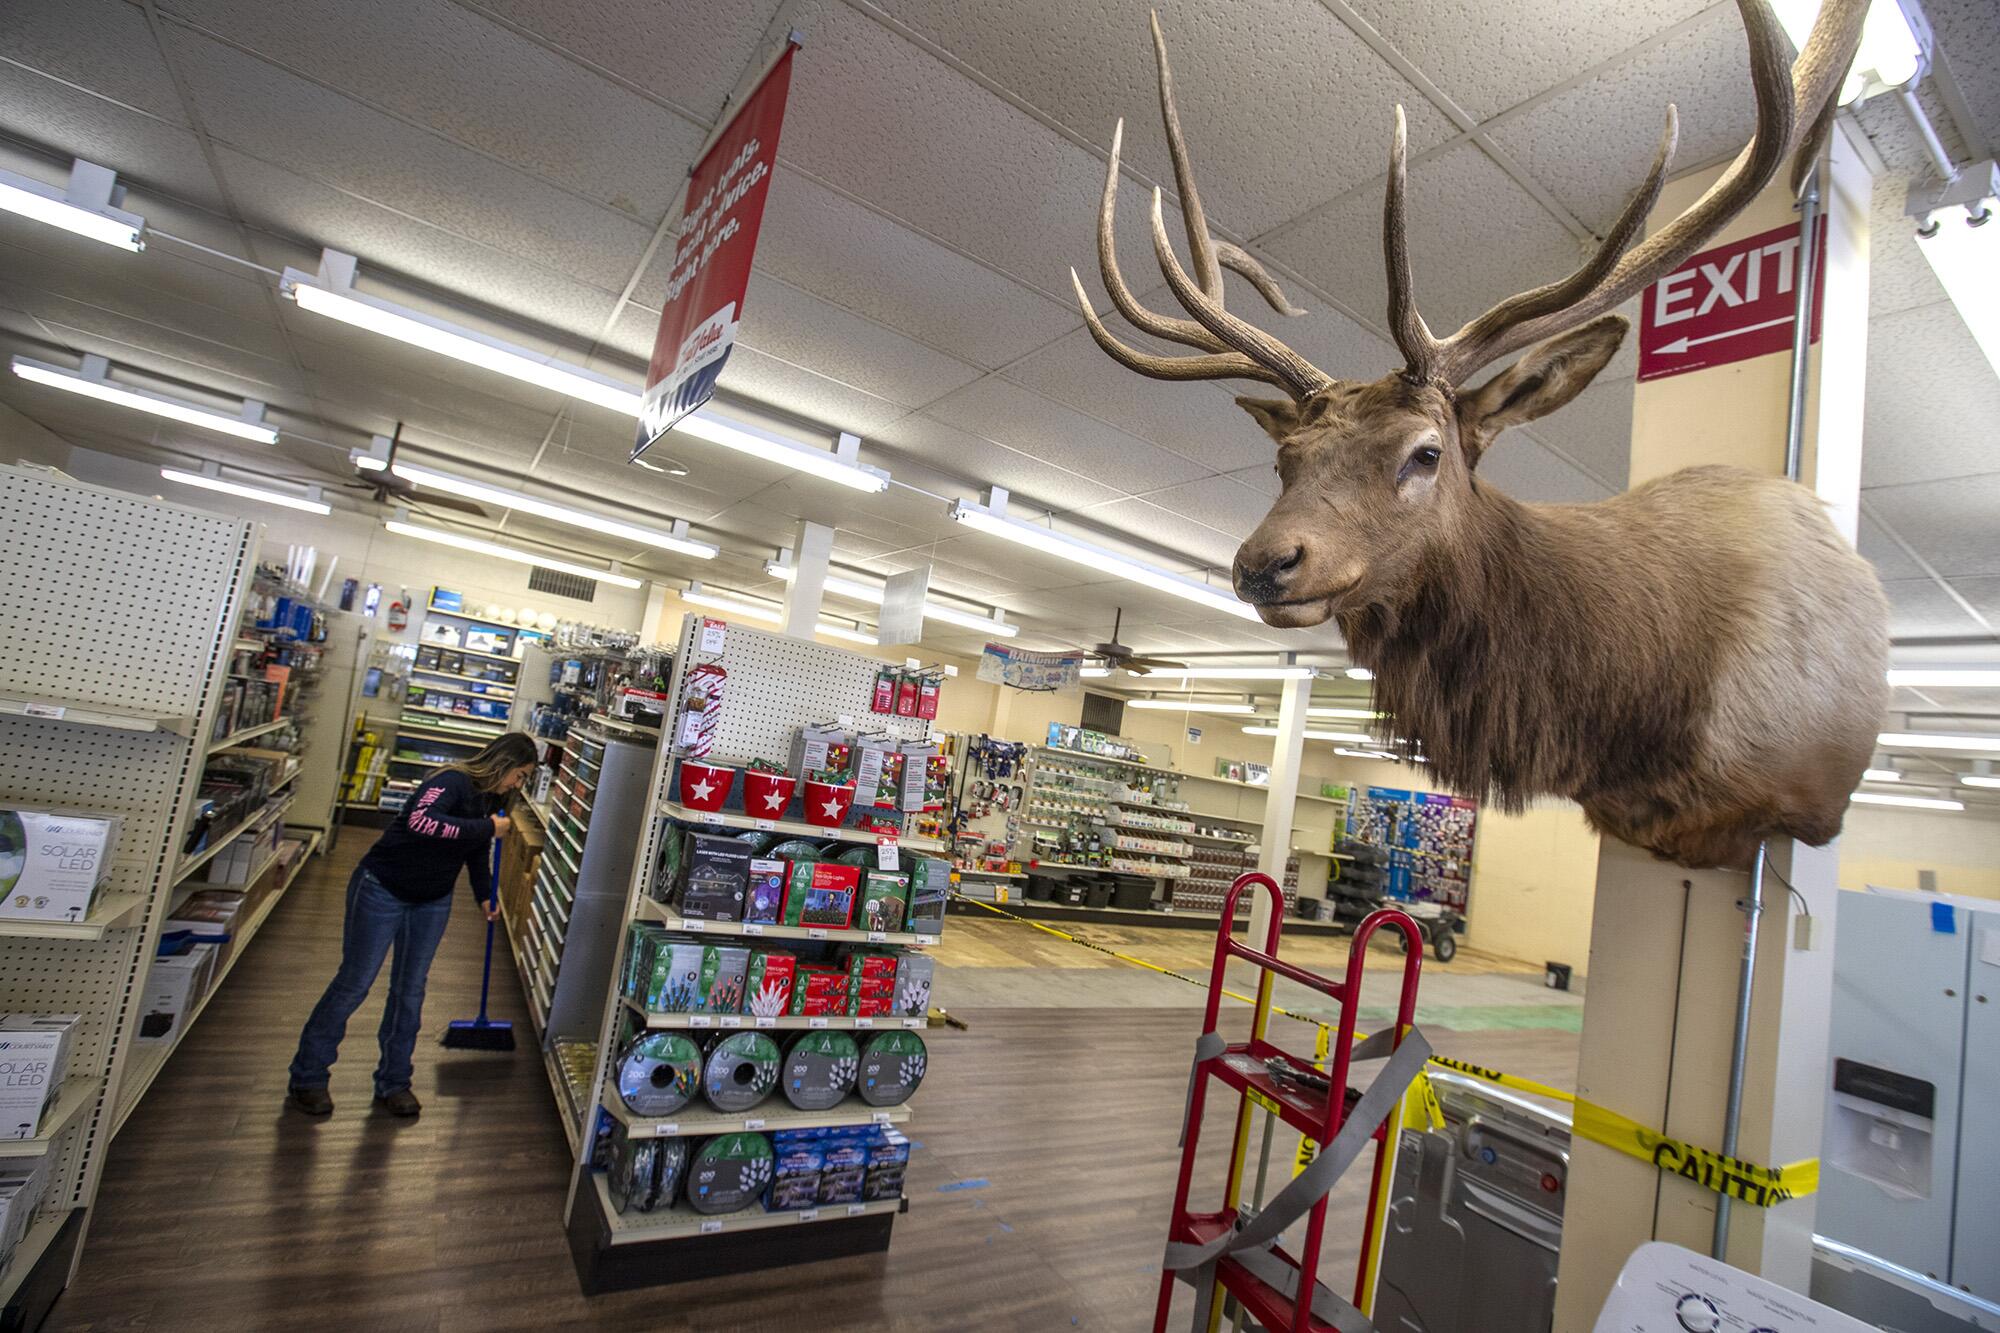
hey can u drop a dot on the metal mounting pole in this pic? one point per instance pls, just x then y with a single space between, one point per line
1804 307
1732 1115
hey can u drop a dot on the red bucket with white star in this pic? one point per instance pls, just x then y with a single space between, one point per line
705 787
827 803
767 795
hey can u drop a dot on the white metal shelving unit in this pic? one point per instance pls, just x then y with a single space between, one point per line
119 614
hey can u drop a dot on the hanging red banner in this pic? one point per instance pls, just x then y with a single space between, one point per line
718 239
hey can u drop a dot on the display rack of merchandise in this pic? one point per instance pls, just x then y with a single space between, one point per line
1098 810
756 1043
460 691
121 616
1427 837
586 670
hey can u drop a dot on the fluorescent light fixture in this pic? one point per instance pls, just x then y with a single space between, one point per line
1344 737
841 586
367 462
991 517
1889 56
1914 802
1363 754
83 208
675 539
840 464
1978 780
1360 673
1093 673
1235 673
1928 740
1881 775
330 292
769 612
1963 247
1192 706
499 552
852 635
310 501
1950 677
93 380
1357 714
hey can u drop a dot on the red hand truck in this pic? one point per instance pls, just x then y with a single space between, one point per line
1318 1114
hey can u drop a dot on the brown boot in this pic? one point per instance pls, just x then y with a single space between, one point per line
312 1101
401 1102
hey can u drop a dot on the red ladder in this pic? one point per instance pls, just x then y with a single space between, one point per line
1242 1066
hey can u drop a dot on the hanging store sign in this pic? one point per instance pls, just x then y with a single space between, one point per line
718 239
1727 304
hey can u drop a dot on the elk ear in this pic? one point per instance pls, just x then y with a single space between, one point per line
1548 376
1278 416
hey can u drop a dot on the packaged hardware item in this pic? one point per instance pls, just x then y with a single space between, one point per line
821 895
888 1160
715 871
674 984
795 1172
659 1073
914 971
767 989
843 1166
872 1006
722 970
51 864
32 1056
892 1067
764 899
930 886
23 1183
820 1069
740 1071
884 894
174 985
645 1174
874 963
728 1172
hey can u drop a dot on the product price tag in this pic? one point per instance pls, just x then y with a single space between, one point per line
864 1022
815 932
878 937
753 1122
713 633
693 925
816 1022
856 1209
809 1215
753 927
887 855
882 1118
667 1129
763 1022
765 825
913 1022
701 1021
44 710
711 1225
732 1020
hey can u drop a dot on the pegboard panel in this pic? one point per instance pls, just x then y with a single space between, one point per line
110 597
777 682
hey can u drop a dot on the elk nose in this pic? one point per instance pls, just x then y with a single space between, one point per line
1258 583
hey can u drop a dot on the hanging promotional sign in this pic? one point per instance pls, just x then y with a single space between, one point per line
1727 304
718 239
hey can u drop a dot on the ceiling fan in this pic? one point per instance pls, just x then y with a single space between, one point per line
1117 656
385 487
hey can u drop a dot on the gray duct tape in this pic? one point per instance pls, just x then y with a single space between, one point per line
741 1071
820 1070
1262 1230
658 1074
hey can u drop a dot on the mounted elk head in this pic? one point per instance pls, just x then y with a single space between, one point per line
1508 639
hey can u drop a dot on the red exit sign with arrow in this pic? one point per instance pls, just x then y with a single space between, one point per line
1727 304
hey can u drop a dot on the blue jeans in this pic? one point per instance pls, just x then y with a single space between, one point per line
376 918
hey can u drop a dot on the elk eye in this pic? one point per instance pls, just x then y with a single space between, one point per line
1424 460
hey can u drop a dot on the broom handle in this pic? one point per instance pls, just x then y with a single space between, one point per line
486 976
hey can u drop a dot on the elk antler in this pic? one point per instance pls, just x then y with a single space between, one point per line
1787 97
1232 348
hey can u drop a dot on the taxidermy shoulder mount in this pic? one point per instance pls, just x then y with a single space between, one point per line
1699 662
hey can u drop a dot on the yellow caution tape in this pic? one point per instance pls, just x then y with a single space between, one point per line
1747 1182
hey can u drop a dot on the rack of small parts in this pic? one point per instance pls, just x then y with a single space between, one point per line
460 689
762 1041
1091 803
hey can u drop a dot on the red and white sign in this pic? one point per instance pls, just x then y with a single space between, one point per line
1727 304
718 239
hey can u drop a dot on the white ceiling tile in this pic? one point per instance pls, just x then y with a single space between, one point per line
976 463
1899 277
464 77
267 113
1932 400
1918 609
998 410
1221 503
686 52
1971 40
1591 145
1192 543
60 121
1949 523
1475 238
807 393
1283 106
1593 431
1889 559
1526 471
103 45
1487 55
1263 479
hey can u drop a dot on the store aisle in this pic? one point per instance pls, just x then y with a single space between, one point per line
1037 1195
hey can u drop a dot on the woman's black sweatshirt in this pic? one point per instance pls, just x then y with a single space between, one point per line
447 823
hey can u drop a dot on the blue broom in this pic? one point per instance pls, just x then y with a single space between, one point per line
483 1033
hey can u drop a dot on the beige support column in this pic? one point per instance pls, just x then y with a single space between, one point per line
812 547
1281 803
1666 944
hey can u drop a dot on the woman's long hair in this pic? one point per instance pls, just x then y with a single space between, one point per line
496 761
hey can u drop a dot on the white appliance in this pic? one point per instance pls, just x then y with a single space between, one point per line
1666 1289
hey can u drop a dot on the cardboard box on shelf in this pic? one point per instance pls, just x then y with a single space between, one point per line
51 864
31 1068
174 986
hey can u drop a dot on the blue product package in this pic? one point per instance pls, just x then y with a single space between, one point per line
843 1168
796 1175
888 1158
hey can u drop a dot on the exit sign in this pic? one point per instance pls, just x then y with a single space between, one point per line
1727 304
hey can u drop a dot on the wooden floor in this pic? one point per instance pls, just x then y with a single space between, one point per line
1038 1193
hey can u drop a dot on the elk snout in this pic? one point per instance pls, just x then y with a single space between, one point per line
1263 575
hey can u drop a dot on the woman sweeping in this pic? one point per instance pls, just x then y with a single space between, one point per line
400 894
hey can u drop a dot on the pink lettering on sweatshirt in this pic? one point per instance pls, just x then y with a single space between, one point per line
428 825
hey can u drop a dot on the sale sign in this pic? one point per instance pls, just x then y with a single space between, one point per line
1727 304
718 239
